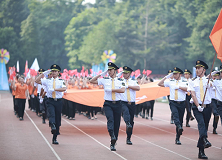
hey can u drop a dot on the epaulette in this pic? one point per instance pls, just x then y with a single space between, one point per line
172 80
184 81
194 78
60 79
120 79
106 77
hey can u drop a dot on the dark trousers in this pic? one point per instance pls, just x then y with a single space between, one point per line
203 119
188 107
113 115
215 112
54 109
37 105
128 115
15 104
21 107
150 109
72 109
177 110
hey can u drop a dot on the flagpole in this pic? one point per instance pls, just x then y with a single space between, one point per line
209 79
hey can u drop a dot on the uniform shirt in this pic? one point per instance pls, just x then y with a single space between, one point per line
20 91
39 86
218 88
48 83
107 84
212 91
181 93
132 92
194 85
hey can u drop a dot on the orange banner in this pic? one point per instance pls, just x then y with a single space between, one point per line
216 36
94 97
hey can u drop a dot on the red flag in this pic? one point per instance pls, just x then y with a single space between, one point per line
144 72
26 68
86 73
216 36
91 71
148 72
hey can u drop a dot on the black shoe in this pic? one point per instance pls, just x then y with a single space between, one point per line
187 124
20 118
202 155
136 116
43 121
143 116
179 130
191 118
214 131
54 141
128 141
128 127
207 144
171 121
151 118
177 141
53 129
113 139
112 147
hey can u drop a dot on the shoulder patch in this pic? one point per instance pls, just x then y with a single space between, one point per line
105 77
123 84
120 79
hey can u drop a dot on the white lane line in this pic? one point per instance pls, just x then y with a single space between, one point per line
172 133
189 127
152 143
93 138
57 156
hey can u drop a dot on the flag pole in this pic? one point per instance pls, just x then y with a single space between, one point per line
209 79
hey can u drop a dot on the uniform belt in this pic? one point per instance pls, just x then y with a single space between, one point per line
133 103
114 102
178 102
205 105
55 99
219 102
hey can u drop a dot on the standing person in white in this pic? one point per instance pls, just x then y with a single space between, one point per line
201 108
128 102
55 88
113 88
178 89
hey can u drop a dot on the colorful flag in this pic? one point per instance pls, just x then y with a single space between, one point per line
216 36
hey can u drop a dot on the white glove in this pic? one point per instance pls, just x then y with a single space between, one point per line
214 72
104 73
32 96
126 86
200 109
169 75
51 89
46 72
40 99
108 89
119 74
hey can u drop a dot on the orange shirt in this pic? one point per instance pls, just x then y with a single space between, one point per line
13 91
20 91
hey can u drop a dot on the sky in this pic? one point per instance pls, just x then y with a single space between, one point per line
91 1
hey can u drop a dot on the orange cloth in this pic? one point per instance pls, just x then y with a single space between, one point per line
20 91
94 96
216 36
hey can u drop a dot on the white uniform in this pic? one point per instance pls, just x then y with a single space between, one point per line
48 83
132 92
195 86
107 84
181 93
218 89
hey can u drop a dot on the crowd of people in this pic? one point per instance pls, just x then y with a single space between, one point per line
45 97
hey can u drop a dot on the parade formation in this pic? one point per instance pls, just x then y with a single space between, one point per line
45 93
155 36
